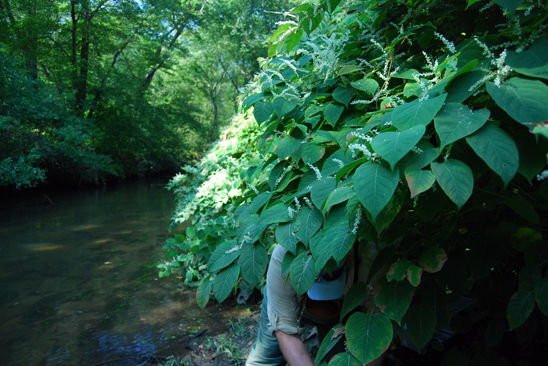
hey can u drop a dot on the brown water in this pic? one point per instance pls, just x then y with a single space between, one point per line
78 283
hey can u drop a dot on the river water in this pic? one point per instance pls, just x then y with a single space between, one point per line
79 284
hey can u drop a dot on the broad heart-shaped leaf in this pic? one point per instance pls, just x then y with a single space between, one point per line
418 180
374 185
274 214
253 262
421 324
366 85
339 239
259 202
398 270
329 341
287 146
392 146
394 298
252 99
497 149
285 235
455 178
368 336
302 273
344 95
524 100
310 221
344 359
532 153
225 282
321 189
432 260
203 292
520 306
455 121
423 155
283 106
293 39
541 295
354 297
533 62
417 112
332 113
313 152
223 256
262 111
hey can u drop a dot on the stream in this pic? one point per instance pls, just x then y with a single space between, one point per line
79 284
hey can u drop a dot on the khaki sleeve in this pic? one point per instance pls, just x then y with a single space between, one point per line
283 303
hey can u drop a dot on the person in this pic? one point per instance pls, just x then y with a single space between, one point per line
278 341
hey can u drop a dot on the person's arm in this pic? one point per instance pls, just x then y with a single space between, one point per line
293 349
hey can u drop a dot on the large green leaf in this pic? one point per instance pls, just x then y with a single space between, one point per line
433 259
203 292
533 62
274 214
287 146
332 113
344 94
367 85
223 256
285 235
259 202
252 99
251 228
368 336
225 281
313 152
339 239
302 273
511 5
339 195
294 39
418 180
310 221
321 190
455 178
262 111
394 298
354 297
392 146
532 153
421 157
455 121
344 359
398 270
374 185
417 112
273 179
520 306
421 324
524 100
541 295
497 149
283 106
253 262
464 86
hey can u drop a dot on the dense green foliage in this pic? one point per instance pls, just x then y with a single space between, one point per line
419 126
92 89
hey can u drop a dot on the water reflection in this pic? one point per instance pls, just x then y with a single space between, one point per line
78 284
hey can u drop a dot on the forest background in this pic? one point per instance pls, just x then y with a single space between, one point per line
92 90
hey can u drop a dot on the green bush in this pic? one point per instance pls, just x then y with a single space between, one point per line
419 126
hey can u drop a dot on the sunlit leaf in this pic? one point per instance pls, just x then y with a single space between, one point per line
283 106
367 85
262 111
259 202
223 256
287 146
344 94
368 336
